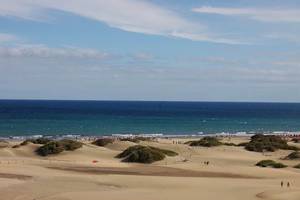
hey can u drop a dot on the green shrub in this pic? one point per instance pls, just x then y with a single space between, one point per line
294 155
206 142
135 139
25 142
144 154
229 144
36 141
270 163
70 145
242 144
41 141
56 147
165 151
103 142
260 143
279 165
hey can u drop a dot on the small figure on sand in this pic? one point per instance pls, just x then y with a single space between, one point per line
288 184
206 162
281 183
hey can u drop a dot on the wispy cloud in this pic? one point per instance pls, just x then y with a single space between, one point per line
260 14
143 56
4 37
294 38
138 16
42 51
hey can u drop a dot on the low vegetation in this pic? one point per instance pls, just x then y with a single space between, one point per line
270 163
136 139
293 156
41 140
70 145
36 141
144 154
230 144
101 142
271 143
297 166
56 147
296 140
205 142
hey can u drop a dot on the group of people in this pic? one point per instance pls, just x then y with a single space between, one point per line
287 184
176 142
206 162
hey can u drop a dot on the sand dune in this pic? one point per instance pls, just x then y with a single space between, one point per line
73 176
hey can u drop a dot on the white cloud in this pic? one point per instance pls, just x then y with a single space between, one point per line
294 38
42 51
260 14
7 38
143 56
139 16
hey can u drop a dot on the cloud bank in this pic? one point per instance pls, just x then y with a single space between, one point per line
42 51
138 16
259 14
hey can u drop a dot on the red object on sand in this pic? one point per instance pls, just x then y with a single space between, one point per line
94 161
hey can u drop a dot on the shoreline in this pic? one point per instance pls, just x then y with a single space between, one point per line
157 136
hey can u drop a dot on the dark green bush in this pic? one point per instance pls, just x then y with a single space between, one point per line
229 144
270 163
242 144
206 142
144 154
36 141
294 155
260 143
165 151
103 142
56 147
70 145
279 165
135 139
40 140
25 142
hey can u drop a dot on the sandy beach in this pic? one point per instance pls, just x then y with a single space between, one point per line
93 172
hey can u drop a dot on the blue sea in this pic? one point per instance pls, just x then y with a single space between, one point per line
43 117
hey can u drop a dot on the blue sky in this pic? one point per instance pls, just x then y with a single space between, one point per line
192 50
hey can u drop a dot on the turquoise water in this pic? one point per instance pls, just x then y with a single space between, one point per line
27 117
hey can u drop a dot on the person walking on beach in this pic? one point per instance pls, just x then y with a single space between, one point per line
288 184
281 183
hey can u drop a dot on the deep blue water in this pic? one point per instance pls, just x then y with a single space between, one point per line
28 117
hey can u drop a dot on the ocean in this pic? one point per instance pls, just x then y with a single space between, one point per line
43 117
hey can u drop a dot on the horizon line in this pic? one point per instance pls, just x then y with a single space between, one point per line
142 100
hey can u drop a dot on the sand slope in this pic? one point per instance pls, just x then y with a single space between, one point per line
231 175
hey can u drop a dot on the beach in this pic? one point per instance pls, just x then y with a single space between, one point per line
93 172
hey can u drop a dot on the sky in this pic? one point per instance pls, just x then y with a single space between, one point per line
168 50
